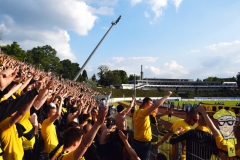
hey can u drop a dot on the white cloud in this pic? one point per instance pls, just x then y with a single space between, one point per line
102 2
134 2
219 46
146 14
157 7
195 51
168 70
177 3
135 60
102 10
49 22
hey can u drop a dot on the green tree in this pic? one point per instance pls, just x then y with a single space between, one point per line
123 75
84 75
14 50
112 78
199 80
131 77
94 78
101 74
238 79
69 69
44 57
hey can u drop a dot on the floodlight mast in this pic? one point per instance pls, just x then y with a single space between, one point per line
81 69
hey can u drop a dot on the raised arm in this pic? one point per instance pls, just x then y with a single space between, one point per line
209 122
59 110
128 108
6 77
130 150
26 83
12 91
88 138
18 115
159 102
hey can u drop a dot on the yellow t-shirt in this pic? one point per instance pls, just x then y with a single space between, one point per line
11 144
223 144
68 156
1 152
59 151
25 122
174 149
142 128
49 136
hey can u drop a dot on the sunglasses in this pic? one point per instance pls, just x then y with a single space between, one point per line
230 123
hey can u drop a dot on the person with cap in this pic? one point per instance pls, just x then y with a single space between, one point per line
48 130
225 139
191 119
142 128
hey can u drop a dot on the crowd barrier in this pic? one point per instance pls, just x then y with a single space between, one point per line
196 150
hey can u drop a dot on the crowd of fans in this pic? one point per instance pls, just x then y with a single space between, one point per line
43 117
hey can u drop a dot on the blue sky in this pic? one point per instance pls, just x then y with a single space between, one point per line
170 38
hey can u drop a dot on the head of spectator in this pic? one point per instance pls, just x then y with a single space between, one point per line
201 121
192 117
72 138
120 108
73 124
52 110
84 119
86 128
147 102
56 100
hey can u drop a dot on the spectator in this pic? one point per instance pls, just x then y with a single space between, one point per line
220 142
75 148
142 133
48 131
192 117
200 143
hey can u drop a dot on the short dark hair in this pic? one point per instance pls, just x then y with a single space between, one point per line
146 100
120 108
50 108
72 124
83 118
72 135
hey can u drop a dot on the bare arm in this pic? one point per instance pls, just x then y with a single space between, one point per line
166 136
159 102
38 103
209 122
12 91
6 77
130 150
59 110
88 138
25 83
130 106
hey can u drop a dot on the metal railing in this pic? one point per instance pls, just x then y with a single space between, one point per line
194 150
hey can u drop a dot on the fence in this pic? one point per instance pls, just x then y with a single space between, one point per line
195 150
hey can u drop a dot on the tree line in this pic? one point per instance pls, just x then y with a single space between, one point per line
45 58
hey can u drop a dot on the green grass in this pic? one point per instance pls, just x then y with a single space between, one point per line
226 102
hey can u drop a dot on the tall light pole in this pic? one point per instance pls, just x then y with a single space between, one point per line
134 88
82 68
